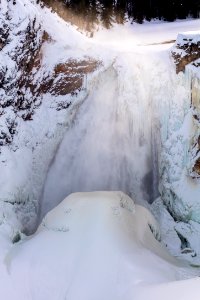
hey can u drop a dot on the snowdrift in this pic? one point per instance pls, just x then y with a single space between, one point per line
94 246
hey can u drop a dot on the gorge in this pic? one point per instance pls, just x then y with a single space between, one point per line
116 112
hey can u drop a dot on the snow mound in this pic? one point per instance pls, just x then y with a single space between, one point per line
92 246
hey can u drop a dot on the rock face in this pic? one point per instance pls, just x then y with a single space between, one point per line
186 54
195 103
186 50
179 207
23 78
68 77
196 167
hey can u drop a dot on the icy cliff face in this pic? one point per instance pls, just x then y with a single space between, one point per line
179 183
41 86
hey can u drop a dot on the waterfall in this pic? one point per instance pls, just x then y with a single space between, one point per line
114 141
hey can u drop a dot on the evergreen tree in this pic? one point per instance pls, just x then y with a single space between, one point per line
120 11
107 10
86 13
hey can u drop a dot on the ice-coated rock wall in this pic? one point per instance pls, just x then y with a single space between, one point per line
39 95
179 183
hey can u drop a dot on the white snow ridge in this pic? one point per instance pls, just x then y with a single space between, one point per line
110 124
95 245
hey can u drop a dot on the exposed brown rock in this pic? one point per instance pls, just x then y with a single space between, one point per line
191 53
46 37
69 76
196 167
199 142
30 80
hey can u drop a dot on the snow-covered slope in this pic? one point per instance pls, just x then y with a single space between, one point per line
94 246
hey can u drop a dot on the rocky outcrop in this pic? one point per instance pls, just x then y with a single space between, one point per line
68 77
23 77
196 167
193 74
186 50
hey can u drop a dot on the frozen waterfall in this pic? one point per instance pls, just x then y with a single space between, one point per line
114 141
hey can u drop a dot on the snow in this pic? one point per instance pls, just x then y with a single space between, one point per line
187 289
150 33
193 71
191 36
94 246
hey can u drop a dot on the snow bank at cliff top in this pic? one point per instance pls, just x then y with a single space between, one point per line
95 246
149 33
